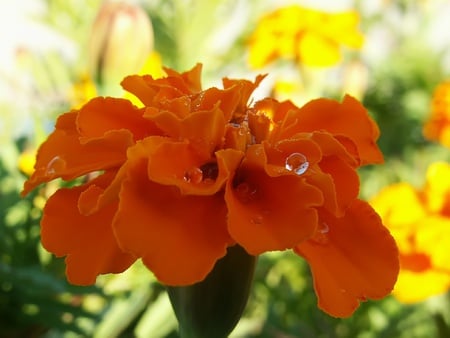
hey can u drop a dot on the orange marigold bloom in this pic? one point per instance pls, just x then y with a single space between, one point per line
437 128
308 36
196 171
419 219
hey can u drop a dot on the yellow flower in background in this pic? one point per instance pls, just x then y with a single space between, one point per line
305 35
82 90
85 88
437 128
419 220
26 161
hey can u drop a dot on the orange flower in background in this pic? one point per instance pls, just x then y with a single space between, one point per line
437 128
419 219
305 35
194 171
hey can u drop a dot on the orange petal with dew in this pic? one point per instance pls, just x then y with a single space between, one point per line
62 154
178 237
270 213
87 241
287 157
348 119
352 258
177 164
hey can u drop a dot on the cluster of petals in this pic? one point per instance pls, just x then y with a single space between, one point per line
419 220
193 172
437 127
305 35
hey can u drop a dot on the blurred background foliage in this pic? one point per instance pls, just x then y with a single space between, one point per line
45 70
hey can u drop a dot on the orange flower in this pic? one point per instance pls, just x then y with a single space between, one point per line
437 128
304 35
420 222
196 171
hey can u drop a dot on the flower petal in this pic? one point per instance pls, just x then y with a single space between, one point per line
176 164
270 213
355 258
345 181
87 241
101 115
245 89
178 237
204 129
333 117
154 91
62 154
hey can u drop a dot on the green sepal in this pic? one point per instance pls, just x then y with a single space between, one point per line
213 307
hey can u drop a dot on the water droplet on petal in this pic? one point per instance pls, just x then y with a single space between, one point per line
324 228
297 162
56 164
257 219
246 192
193 175
321 235
242 131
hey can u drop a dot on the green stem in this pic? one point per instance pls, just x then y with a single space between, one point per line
213 307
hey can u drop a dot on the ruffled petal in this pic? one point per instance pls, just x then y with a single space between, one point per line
87 241
226 99
345 182
101 115
245 89
270 213
189 81
333 117
178 237
176 164
204 129
62 154
352 258
154 91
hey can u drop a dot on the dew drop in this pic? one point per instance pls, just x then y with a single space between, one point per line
324 228
297 163
242 131
56 164
246 192
321 235
193 175
257 219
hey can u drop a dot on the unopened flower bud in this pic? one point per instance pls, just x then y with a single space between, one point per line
121 40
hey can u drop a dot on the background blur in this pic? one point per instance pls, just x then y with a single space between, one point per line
55 55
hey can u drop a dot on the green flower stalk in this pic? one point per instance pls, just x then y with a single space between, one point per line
213 307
